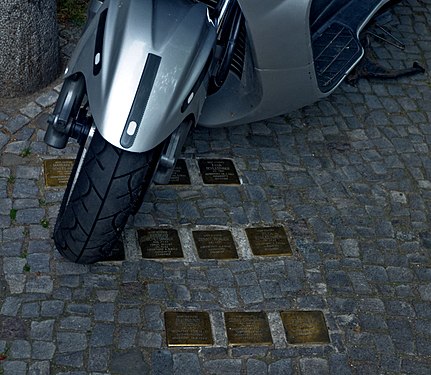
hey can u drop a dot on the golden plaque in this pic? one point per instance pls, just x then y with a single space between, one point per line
117 253
188 329
180 175
218 172
160 243
247 328
57 171
305 327
268 241
215 244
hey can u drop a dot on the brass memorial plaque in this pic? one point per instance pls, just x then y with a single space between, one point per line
188 329
268 241
305 327
57 171
117 253
180 175
215 244
247 328
160 243
218 171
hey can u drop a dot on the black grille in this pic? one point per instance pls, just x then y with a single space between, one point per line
237 65
335 51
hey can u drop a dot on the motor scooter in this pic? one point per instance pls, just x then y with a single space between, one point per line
145 72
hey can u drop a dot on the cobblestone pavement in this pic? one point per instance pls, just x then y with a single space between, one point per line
350 180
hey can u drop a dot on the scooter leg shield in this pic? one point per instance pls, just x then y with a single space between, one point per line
141 60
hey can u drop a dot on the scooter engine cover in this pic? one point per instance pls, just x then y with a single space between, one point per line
141 60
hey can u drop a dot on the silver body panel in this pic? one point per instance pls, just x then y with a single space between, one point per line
283 65
280 44
177 31
279 74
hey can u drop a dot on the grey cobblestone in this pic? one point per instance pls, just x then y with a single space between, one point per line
75 323
31 110
30 310
74 359
283 366
42 330
150 339
102 335
52 308
223 366
127 337
16 123
47 99
40 284
14 368
98 359
20 349
43 350
104 312
39 368
129 316
4 139
69 342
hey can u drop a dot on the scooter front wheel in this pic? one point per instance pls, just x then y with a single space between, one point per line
107 185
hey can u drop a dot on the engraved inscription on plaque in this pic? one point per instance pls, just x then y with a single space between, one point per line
268 241
180 175
305 327
247 328
57 171
188 329
218 171
160 243
215 244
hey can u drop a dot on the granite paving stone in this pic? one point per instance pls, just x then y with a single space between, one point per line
102 335
162 362
16 123
70 342
42 330
39 368
127 337
186 363
31 110
43 350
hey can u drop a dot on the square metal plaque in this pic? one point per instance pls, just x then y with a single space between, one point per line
188 329
215 244
180 175
218 171
160 243
57 171
117 254
305 327
247 328
268 241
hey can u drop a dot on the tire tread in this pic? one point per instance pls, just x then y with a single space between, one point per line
107 190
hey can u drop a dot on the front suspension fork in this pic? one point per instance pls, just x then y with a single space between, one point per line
68 118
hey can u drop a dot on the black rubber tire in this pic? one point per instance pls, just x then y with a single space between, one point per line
110 187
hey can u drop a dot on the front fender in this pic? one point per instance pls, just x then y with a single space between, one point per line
141 60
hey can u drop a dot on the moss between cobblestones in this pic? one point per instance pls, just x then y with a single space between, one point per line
12 214
72 11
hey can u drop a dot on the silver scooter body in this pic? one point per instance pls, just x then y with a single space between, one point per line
144 63
282 75
145 71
